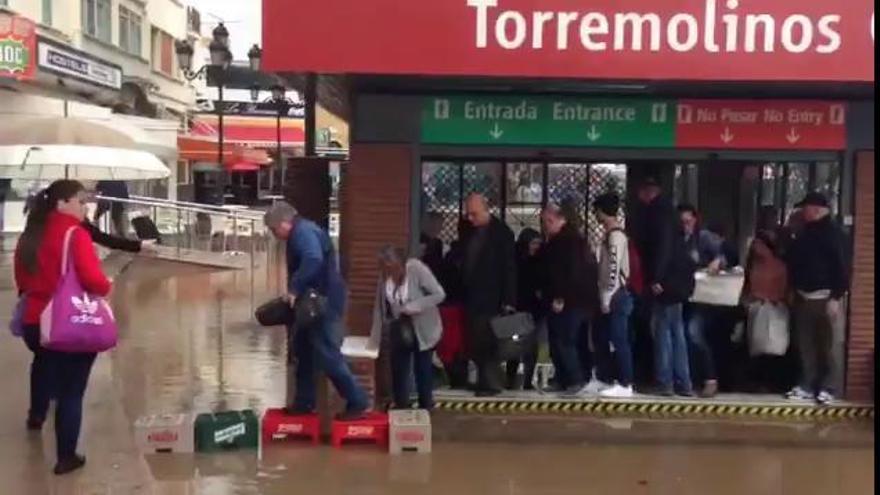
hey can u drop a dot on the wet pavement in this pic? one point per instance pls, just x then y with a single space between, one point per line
188 344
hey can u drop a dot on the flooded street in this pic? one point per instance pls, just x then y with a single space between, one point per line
188 344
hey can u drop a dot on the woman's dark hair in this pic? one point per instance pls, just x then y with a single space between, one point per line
608 203
526 236
43 204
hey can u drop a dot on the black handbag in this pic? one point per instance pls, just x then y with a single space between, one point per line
513 333
403 333
309 309
276 312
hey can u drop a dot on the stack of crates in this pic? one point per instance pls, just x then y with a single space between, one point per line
228 430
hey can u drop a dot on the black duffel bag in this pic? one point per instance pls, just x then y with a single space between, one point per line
513 334
309 309
276 312
403 334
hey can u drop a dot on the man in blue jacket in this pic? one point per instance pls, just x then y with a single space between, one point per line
311 265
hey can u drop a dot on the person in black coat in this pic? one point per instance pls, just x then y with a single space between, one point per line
528 299
669 275
568 289
489 289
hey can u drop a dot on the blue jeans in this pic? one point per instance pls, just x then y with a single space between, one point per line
61 376
401 375
319 347
617 322
563 331
699 319
670 348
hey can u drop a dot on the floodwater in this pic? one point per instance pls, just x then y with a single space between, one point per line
188 344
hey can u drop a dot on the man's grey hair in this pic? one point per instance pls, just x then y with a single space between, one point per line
391 255
279 213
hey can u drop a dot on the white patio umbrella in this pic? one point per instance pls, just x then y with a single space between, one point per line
85 163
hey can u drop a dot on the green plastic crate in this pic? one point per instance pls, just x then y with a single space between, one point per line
229 430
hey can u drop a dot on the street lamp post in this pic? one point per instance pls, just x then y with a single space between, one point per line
217 69
282 106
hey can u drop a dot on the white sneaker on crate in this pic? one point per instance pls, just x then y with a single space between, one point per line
595 387
617 392
799 393
824 398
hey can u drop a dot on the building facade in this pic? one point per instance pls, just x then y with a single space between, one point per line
738 107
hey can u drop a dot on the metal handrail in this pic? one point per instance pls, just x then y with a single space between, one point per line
172 202
200 208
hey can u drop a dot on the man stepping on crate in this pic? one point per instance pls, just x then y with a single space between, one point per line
316 291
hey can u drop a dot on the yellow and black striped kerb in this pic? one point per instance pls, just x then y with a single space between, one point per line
657 409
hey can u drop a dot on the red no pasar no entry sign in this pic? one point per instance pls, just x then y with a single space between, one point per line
813 125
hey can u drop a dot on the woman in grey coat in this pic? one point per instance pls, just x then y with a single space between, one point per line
408 293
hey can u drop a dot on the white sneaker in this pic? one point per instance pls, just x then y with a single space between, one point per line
617 392
824 398
799 393
595 387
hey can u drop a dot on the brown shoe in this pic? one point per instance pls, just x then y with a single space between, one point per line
710 389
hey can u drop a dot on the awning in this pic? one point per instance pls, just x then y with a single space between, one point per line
243 166
200 149
252 131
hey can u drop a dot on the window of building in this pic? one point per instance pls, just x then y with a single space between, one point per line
162 52
47 12
97 21
130 28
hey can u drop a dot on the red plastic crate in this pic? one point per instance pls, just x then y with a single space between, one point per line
373 428
278 425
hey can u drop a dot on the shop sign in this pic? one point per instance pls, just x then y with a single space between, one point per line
548 121
771 125
64 61
17 47
697 40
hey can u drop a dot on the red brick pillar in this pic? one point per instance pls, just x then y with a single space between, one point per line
375 200
860 349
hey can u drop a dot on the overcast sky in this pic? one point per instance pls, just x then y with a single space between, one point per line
243 19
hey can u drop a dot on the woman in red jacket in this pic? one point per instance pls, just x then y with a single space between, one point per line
38 257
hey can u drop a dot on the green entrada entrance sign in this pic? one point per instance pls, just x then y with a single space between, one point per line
548 121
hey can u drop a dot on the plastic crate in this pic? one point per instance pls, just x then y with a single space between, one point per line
409 431
228 430
278 425
165 433
372 428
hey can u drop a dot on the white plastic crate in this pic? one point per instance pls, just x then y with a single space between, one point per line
165 433
409 431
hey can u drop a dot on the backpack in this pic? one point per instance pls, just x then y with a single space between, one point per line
636 280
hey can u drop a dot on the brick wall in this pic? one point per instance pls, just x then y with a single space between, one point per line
374 210
860 349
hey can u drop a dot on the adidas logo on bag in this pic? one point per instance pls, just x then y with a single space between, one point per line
87 309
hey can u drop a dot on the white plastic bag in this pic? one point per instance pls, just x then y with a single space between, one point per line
768 329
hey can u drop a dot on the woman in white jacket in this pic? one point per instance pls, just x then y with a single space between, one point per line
405 313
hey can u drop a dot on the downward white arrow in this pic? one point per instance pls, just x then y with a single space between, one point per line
496 133
728 136
793 136
594 134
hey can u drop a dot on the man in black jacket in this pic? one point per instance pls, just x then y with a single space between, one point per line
669 275
820 277
489 287
568 288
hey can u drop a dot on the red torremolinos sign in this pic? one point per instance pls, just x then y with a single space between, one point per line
18 40
732 124
733 40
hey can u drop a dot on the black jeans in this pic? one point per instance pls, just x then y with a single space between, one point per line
483 350
61 376
401 376
117 216
598 357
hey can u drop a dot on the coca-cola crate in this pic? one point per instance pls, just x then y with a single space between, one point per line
410 431
165 433
278 425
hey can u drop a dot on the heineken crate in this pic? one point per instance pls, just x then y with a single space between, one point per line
227 430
